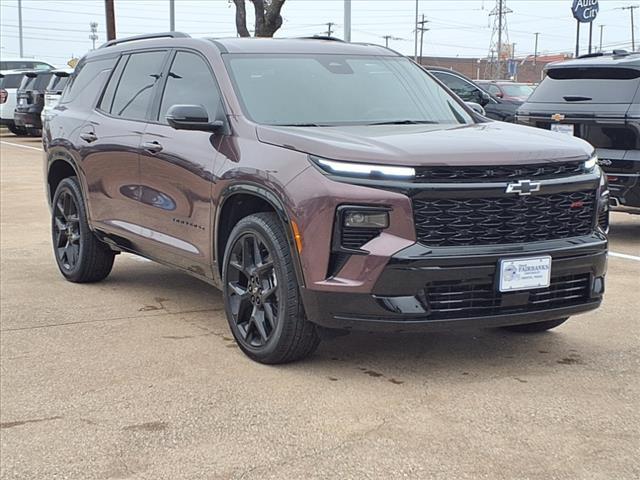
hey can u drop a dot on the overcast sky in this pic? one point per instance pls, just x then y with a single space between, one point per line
54 30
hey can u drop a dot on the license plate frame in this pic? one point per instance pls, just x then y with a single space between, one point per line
528 273
564 128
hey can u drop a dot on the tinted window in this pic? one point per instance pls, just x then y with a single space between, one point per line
190 82
57 83
135 86
587 85
493 89
11 80
465 90
340 90
87 80
106 103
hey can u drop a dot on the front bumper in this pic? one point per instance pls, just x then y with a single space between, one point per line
404 300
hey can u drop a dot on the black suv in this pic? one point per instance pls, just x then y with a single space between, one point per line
31 101
597 98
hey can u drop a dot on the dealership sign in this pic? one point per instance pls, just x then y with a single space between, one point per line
585 11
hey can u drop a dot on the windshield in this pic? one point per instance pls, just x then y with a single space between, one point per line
517 90
326 90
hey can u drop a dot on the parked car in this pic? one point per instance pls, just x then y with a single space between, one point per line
23 64
518 92
53 91
467 90
31 101
9 83
596 98
323 186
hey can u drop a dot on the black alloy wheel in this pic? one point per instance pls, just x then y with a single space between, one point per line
254 296
66 230
261 292
81 256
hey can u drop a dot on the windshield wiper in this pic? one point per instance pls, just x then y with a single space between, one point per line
299 125
404 122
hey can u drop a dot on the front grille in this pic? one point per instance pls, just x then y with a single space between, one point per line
503 220
497 173
455 299
355 238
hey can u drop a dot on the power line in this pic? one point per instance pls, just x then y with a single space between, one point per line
631 8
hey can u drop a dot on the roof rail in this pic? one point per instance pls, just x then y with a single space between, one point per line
591 55
321 37
148 36
620 52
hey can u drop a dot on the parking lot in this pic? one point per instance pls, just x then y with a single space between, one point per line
139 377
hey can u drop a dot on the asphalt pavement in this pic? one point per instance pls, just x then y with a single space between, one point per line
138 377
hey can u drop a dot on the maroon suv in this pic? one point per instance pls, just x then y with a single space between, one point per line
322 186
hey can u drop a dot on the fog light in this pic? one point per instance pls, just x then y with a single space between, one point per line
364 219
598 286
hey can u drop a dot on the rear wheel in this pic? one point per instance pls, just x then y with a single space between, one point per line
536 327
261 295
80 256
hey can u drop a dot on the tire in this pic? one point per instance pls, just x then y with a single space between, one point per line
80 255
16 130
536 327
261 296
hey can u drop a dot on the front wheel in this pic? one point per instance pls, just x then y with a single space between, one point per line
536 327
80 256
261 295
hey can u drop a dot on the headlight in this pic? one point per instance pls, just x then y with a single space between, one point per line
591 163
362 170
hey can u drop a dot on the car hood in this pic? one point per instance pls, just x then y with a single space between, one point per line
412 145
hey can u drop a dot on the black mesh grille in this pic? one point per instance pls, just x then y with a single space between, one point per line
356 237
497 173
503 220
455 299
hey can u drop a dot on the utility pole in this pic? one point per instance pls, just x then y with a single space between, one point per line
94 33
501 34
110 17
631 8
601 28
422 29
347 20
172 15
329 28
20 28
535 51
415 36
389 37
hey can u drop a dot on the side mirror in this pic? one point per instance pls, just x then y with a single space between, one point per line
476 107
485 98
192 117
500 95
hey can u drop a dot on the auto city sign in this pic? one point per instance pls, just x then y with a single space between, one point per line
585 11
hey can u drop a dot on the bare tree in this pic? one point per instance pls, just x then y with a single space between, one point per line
268 18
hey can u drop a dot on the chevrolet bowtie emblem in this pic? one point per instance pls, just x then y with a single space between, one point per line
557 117
523 187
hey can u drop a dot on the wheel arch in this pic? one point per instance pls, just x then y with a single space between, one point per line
255 198
60 167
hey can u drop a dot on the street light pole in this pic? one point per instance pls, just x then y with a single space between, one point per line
20 28
172 15
415 37
347 20
535 54
601 28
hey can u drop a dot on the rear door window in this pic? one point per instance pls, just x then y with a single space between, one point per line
465 90
587 85
190 82
134 89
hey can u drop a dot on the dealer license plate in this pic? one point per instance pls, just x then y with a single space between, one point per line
565 128
524 273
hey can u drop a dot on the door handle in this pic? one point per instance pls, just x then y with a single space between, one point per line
88 137
152 147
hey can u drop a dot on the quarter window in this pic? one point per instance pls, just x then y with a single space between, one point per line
190 82
134 88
